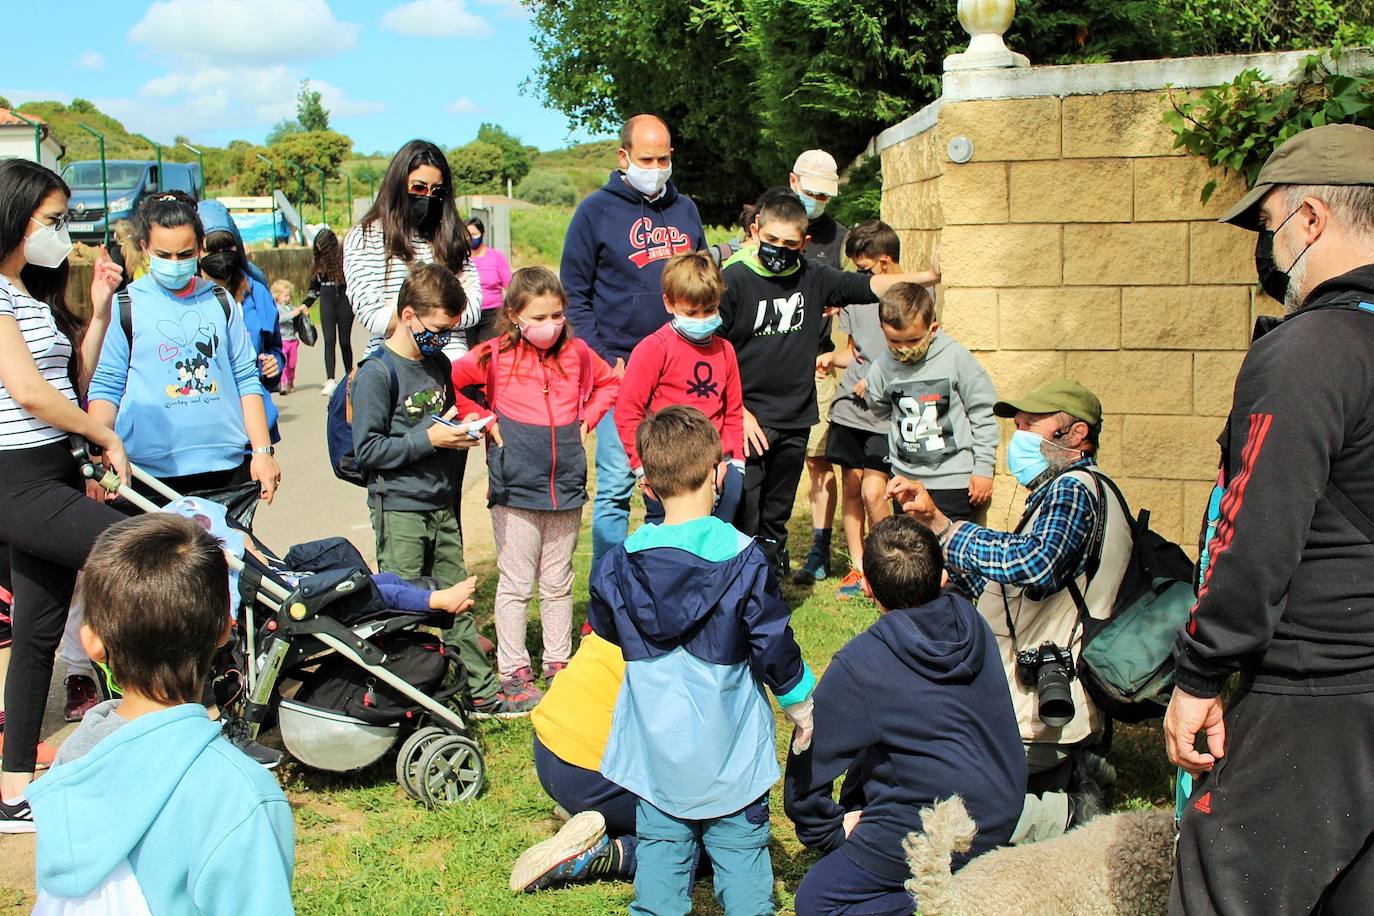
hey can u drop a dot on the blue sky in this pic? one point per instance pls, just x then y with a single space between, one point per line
216 70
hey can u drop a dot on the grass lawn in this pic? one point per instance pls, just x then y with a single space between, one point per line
364 847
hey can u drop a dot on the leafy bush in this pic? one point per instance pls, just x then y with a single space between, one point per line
537 235
861 195
1238 125
547 189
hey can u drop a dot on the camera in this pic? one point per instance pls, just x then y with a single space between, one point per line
1048 669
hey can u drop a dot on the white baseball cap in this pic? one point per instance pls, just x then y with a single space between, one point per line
818 173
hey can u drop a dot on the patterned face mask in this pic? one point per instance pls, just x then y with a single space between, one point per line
430 342
910 354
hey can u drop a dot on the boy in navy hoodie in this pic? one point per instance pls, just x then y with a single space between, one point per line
149 808
613 255
913 710
702 627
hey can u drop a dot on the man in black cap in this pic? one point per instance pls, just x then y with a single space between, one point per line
1024 585
1282 823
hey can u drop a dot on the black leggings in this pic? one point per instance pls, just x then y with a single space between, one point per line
336 320
49 525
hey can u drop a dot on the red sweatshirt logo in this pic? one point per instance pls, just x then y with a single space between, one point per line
654 243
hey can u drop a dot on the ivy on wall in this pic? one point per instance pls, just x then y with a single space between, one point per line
1238 125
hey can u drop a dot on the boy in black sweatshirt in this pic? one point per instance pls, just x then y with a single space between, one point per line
772 312
913 710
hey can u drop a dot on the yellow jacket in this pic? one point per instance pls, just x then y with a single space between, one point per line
574 718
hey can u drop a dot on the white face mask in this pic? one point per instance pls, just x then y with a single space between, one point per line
48 247
648 182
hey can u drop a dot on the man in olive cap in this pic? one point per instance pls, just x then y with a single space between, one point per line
1283 824
1024 585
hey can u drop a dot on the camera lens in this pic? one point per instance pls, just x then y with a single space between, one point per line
1052 691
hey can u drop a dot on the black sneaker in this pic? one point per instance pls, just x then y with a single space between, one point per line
236 730
16 818
501 706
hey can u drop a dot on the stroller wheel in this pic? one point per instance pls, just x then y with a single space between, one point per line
409 756
452 770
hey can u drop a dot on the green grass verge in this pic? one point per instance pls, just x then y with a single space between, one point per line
364 847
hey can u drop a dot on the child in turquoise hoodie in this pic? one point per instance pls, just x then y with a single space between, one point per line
697 614
180 382
149 809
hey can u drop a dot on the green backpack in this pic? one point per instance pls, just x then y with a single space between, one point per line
1127 662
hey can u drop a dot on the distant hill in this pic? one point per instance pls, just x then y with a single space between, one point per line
65 121
587 164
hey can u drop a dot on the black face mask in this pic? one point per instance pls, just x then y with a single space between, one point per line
421 209
220 265
1273 281
777 259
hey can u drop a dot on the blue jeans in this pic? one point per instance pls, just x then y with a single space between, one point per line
737 844
614 484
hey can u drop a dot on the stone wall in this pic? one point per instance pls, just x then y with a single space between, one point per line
1074 243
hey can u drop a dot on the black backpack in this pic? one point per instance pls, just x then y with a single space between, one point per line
420 659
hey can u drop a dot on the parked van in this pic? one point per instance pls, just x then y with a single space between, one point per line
128 182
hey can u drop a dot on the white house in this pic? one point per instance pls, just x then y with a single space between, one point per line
17 140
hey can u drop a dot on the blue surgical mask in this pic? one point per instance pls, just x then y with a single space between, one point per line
430 342
814 207
172 275
1025 460
475 242
698 329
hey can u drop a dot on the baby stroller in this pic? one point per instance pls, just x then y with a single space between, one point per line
357 663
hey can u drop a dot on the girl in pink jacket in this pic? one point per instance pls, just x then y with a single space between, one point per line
546 388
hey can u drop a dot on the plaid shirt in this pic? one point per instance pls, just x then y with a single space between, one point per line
1043 558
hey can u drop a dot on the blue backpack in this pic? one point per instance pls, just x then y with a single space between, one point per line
338 428
339 416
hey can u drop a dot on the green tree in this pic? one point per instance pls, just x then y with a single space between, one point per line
5 103
310 111
367 173
747 84
476 167
322 149
553 189
83 106
283 128
515 156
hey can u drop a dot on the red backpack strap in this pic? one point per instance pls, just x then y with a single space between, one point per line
584 375
494 346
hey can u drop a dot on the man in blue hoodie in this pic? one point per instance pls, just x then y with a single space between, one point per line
148 808
913 710
613 257
697 614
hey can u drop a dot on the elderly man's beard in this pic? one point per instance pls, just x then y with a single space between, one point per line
1294 296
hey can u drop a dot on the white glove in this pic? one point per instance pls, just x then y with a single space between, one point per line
800 715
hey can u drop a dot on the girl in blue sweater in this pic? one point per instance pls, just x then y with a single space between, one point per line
182 388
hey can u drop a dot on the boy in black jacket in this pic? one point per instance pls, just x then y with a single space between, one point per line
913 710
772 312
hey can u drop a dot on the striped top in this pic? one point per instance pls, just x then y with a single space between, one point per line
373 288
52 353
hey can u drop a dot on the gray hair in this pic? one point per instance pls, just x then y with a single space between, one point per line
1352 205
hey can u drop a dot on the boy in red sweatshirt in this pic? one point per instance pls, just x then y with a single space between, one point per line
685 362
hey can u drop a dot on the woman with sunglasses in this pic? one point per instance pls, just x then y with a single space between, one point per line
47 357
413 220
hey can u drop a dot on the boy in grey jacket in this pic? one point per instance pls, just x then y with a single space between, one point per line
938 401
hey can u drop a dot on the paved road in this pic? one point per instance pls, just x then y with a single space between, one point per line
312 503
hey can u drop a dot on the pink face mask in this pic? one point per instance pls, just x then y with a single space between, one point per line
544 334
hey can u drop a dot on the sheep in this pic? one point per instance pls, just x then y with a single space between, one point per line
1115 865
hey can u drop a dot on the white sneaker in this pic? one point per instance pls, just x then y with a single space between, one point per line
328 388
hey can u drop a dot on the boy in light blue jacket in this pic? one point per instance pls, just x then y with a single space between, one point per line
149 809
703 628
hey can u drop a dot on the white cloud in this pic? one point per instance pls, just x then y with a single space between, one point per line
90 60
510 9
258 30
261 95
463 106
436 19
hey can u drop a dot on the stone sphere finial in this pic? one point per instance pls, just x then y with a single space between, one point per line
986 21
